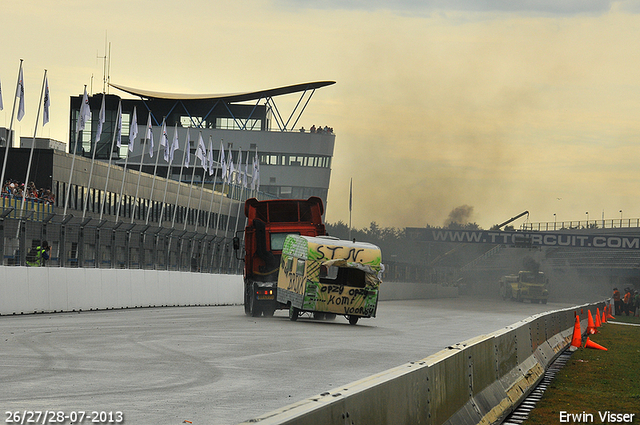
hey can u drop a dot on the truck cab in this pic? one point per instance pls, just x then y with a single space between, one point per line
268 224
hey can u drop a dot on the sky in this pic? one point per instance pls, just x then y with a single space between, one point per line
490 108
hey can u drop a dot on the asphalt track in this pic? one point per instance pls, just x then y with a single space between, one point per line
214 365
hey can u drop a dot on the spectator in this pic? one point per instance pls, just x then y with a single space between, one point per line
37 256
312 129
617 302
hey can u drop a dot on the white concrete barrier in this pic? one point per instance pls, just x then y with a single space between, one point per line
478 381
51 289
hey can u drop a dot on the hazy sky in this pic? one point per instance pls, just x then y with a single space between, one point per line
503 106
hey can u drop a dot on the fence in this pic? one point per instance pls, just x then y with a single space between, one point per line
91 243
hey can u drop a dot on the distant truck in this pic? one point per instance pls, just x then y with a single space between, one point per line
326 276
526 285
268 224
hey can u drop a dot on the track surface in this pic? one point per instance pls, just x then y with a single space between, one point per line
214 365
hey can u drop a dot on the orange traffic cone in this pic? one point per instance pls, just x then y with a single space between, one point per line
590 344
609 315
591 327
604 316
598 324
576 339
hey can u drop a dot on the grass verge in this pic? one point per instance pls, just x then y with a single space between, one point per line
594 382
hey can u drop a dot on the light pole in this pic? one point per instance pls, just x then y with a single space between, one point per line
587 213
620 218
554 221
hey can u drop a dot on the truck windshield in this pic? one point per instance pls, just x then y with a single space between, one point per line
277 240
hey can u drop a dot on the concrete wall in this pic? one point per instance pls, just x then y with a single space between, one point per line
52 289
478 381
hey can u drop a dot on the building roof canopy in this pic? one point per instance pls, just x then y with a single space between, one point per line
229 97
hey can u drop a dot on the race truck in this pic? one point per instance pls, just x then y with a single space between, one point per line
268 224
526 285
325 276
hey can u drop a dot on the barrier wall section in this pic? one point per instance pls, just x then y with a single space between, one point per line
478 381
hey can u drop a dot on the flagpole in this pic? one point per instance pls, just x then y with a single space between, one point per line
153 183
223 172
350 204
213 188
33 144
135 200
233 190
184 155
113 142
193 173
204 175
166 183
93 157
81 119
10 135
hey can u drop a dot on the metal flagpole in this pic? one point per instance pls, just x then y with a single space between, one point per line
244 186
10 134
101 120
193 173
166 183
133 133
205 166
223 168
233 191
116 135
185 155
155 169
33 144
144 147
85 113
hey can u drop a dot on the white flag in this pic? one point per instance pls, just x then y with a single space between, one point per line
187 152
20 94
174 145
149 136
201 152
164 140
119 125
223 164
1 104
210 157
85 112
101 119
47 102
232 168
133 129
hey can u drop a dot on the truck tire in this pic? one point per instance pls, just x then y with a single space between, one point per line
329 316
353 319
293 313
318 316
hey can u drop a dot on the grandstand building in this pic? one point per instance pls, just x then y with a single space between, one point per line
293 163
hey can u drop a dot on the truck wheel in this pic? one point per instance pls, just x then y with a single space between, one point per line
329 316
318 316
247 306
293 313
353 319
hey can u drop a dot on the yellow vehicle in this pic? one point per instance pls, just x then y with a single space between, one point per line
326 276
526 285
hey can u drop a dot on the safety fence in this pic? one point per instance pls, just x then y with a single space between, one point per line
478 381
93 243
